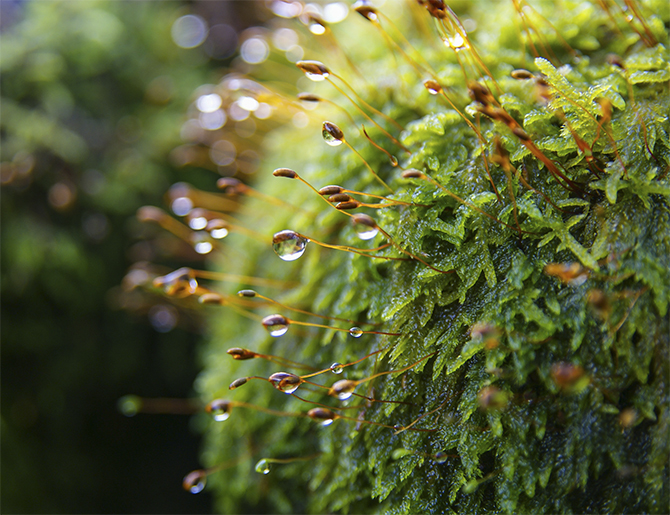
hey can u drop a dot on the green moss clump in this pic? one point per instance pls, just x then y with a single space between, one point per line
548 391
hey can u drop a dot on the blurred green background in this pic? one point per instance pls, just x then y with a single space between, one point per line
94 95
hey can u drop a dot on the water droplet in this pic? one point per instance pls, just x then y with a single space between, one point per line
356 332
314 70
324 416
343 389
285 382
317 28
440 457
332 134
276 325
219 409
336 368
289 245
364 226
433 87
182 206
129 405
263 467
219 234
197 223
195 481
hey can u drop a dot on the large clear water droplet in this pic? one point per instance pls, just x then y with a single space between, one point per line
289 245
219 409
336 368
276 325
285 382
263 467
356 332
365 226
343 389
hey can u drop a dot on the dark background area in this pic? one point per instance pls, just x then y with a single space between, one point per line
94 94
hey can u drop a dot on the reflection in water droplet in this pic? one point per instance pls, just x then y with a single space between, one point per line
276 325
336 368
285 382
440 457
364 231
198 223
332 134
219 409
317 28
356 332
263 467
195 481
343 389
219 234
289 245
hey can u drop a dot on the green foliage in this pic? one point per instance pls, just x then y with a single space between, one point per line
582 384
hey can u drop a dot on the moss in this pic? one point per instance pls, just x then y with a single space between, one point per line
548 387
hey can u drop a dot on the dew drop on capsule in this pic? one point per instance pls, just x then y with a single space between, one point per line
263 467
332 134
343 389
289 245
195 481
356 332
440 457
336 368
219 409
285 382
364 226
276 325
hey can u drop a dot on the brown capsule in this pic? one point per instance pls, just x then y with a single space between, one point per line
520 133
195 481
366 10
230 185
362 219
488 333
344 206
492 398
615 60
247 293
241 354
573 274
566 374
432 86
150 214
285 172
479 93
522 75
627 418
436 8
313 68
343 389
216 224
211 298
219 406
413 173
331 190
237 383
339 197
180 283
332 133
309 97
323 415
